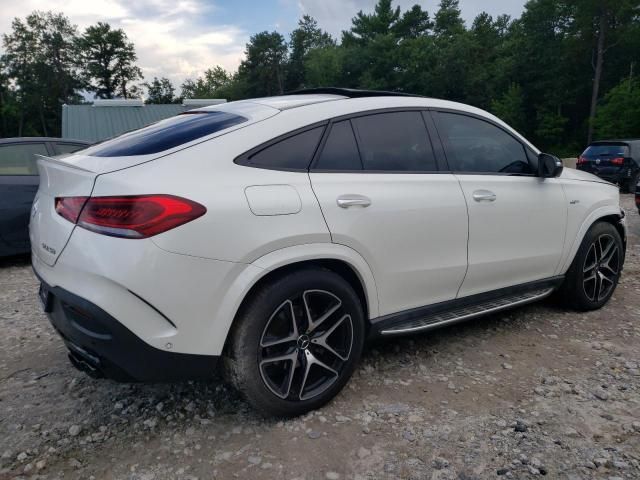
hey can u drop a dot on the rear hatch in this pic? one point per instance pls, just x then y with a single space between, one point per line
604 159
74 175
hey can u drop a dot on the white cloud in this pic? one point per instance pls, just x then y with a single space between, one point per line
171 38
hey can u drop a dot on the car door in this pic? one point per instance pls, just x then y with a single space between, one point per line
18 185
381 193
517 220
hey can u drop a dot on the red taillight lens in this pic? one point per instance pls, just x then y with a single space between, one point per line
617 161
135 216
581 160
69 208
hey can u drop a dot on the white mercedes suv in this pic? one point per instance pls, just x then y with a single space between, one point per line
279 234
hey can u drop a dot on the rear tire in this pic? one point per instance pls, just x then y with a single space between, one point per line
596 268
296 342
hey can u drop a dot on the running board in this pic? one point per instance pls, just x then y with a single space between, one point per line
467 312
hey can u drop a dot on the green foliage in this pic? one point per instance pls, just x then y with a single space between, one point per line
619 114
538 72
109 62
510 107
304 39
160 91
262 72
39 74
215 83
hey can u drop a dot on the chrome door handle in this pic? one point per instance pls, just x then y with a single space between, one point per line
346 201
484 196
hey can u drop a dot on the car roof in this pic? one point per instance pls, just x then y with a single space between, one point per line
311 96
8 141
622 140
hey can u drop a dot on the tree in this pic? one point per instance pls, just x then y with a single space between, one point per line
378 45
366 27
602 23
448 20
215 83
323 67
510 107
262 71
41 74
305 38
160 91
109 61
619 114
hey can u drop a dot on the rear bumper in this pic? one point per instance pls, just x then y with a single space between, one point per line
618 176
103 347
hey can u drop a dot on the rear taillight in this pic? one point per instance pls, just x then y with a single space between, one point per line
134 216
617 161
581 160
69 208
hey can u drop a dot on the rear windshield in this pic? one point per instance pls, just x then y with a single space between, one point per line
166 134
606 151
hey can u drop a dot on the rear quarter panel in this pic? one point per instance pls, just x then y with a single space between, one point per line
229 231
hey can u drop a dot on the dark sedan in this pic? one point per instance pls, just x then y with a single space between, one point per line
19 183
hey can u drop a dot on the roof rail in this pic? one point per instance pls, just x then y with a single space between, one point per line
349 92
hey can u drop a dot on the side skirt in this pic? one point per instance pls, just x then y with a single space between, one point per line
426 318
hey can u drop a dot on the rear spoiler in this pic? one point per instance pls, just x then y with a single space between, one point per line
61 162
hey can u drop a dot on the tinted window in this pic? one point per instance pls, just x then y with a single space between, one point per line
606 151
20 159
166 134
340 151
295 152
396 141
62 148
478 146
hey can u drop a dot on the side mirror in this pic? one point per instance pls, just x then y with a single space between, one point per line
549 166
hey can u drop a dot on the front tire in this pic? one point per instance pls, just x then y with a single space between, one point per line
296 342
595 271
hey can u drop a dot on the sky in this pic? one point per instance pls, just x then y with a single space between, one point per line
179 39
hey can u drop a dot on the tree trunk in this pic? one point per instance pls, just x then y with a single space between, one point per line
598 73
44 123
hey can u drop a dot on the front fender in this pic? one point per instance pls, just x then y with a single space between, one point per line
594 216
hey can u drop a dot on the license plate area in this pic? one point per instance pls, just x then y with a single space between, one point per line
46 298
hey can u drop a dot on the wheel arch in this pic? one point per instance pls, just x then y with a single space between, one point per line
610 214
343 260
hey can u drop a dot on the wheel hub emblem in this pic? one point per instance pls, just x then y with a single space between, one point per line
303 342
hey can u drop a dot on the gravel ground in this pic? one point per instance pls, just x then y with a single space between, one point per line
531 392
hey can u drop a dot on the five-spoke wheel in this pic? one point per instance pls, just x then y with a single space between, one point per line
595 271
297 341
601 268
305 345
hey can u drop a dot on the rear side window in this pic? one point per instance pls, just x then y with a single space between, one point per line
606 151
292 153
62 148
20 159
395 141
166 134
340 151
476 146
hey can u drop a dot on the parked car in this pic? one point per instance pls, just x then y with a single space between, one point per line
18 185
281 233
617 161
